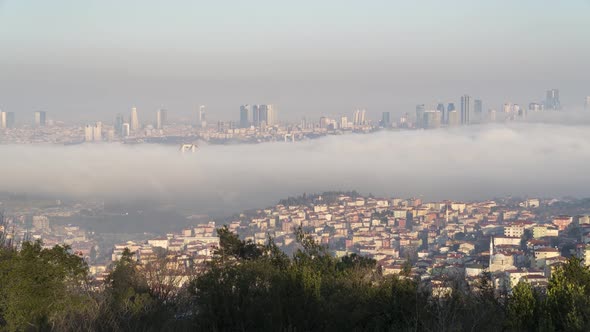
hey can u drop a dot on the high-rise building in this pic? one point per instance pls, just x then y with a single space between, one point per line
10 120
535 107
88 133
552 100
119 120
587 103
134 120
202 117
256 115
97 132
126 131
432 119
161 118
3 120
359 117
454 118
450 107
466 109
477 107
245 116
516 110
420 109
271 115
441 108
40 119
262 114
386 119
492 115
93 133
343 122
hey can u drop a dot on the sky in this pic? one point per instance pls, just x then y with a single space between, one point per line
88 60
464 163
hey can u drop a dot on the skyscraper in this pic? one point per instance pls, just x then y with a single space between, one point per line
271 115
441 108
161 118
119 120
88 133
450 108
93 133
492 115
477 107
245 116
126 131
2 120
343 122
10 120
385 119
552 101
432 119
420 109
134 120
201 117
256 115
40 118
535 107
587 103
359 117
262 114
466 110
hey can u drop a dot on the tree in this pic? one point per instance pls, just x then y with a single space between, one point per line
41 286
568 296
521 308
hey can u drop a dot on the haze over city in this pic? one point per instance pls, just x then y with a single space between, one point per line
82 61
294 166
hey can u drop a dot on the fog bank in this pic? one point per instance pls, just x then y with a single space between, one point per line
465 163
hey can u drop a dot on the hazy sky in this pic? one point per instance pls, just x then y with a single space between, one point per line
466 163
91 59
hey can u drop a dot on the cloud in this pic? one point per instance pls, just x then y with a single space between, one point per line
477 162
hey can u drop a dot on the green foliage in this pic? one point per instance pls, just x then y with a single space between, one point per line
522 307
250 287
40 286
568 296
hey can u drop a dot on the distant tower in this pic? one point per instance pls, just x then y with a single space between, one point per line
343 122
97 132
271 115
478 109
385 119
3 120
466 109
492 115
201 117
10 121
40 118
245 116
263 114
552 101
432 119
134 120
441 108
126 131
256 115
88 134
161 118
420 109
119 120
587 103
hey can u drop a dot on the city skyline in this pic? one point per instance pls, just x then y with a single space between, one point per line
360 55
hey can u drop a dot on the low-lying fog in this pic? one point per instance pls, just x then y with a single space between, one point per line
466 163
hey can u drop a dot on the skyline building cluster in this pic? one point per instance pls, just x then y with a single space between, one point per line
258 115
